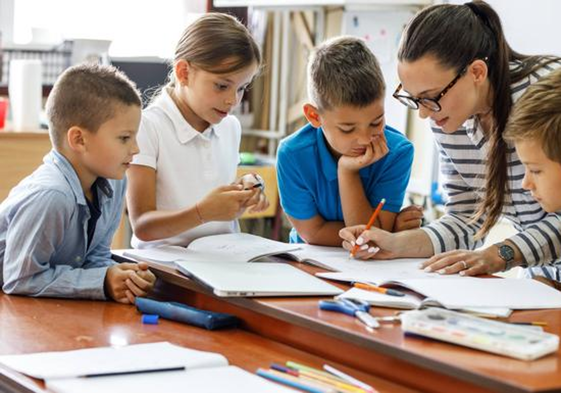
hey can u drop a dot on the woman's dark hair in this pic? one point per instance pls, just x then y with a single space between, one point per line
456 35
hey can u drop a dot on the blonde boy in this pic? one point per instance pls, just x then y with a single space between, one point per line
535 130
57 224
334 171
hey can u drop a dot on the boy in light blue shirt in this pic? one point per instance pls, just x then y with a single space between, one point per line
333 172
56 225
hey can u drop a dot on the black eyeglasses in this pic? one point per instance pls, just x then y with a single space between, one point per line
429 103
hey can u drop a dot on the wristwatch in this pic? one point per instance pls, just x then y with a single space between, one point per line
506 253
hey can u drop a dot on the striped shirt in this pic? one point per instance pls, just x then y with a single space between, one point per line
463 166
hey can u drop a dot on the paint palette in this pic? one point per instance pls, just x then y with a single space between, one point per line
479 333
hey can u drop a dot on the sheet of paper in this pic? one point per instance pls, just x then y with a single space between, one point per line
337 260
382 300
241 246
209 380
68 364
411 301
235 247
378 272
171 254
514 293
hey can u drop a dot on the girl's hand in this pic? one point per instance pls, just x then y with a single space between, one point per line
375 150
465 262
258 201
225 203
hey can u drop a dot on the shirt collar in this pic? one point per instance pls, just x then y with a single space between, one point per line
185 132
66 168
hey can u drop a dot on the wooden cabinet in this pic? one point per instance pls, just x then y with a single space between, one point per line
20 154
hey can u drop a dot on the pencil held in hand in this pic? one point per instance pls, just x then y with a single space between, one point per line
369 224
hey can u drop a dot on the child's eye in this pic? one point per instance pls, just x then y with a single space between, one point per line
346 130
376 125
124 139
535 172
220 86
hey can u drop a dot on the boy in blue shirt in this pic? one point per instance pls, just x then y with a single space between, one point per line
56 225
333 172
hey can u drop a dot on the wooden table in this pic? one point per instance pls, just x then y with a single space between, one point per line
35 325
412 361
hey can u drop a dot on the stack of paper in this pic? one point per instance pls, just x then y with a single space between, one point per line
139 369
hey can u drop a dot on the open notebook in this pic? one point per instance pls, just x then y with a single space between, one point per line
68 371
466 293
238 246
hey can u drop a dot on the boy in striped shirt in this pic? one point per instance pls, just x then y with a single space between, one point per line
535 130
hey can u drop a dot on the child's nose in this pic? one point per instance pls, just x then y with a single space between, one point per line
135 149
231 99
526 182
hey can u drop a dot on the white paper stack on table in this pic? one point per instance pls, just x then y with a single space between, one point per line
221 262
492 297
477 294
236 246
134 368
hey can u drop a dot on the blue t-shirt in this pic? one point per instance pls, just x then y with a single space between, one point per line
307 176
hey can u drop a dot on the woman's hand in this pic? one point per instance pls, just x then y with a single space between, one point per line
374 243
466 262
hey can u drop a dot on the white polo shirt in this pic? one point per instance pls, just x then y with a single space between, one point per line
189 164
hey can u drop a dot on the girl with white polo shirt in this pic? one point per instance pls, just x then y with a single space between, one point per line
181 183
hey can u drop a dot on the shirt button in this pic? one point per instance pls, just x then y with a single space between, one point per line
78 259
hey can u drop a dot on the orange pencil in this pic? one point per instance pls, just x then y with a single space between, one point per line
370 223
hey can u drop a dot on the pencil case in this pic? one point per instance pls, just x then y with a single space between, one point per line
190 315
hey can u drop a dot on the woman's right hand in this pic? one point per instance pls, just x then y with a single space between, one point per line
224 203
381 244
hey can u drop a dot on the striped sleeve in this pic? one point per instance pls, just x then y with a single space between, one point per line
455 230
540 243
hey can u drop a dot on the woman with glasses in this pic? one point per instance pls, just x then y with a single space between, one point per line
457 69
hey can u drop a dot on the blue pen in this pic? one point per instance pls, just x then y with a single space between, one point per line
289 382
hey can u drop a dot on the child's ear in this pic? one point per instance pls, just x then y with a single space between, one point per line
76 139
312 114
182 69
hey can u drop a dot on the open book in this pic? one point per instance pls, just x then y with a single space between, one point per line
234 246
466 293
134 368
413 301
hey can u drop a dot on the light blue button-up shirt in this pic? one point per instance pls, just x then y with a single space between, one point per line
43 233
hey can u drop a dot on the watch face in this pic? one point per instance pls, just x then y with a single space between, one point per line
506 252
